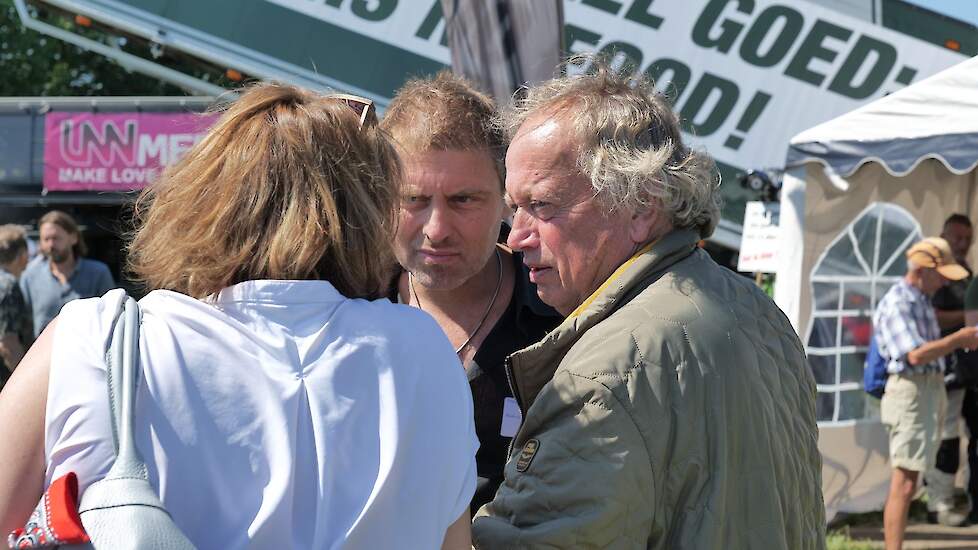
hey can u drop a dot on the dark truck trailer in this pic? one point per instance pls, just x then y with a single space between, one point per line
25 195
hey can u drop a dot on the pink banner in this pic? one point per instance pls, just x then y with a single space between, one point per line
115 151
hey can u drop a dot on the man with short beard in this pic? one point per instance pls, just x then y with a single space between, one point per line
61 274
451 213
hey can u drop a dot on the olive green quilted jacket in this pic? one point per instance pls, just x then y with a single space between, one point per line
673 410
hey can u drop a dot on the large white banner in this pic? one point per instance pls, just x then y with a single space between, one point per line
746 75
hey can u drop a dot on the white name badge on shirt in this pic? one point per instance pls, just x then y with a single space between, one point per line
512 418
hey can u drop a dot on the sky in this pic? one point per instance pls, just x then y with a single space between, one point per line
965 10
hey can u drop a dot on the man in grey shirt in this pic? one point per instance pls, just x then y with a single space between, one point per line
61 274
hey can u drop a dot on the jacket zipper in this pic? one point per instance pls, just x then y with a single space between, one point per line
508 367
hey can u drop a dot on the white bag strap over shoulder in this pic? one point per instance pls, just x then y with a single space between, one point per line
123 381
122 510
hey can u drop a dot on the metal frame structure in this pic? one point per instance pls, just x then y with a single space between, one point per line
126 59
166 34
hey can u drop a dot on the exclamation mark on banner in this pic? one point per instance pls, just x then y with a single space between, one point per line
750 116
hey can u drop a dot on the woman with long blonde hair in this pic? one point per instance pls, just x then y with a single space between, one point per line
279 405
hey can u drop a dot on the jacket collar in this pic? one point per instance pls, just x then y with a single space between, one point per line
535 365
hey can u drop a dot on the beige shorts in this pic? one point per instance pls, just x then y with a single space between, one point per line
913 409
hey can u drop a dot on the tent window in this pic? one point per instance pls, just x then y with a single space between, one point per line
854 272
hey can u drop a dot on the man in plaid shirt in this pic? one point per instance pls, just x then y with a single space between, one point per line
909 338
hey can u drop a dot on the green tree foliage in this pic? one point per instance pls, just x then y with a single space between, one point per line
32 64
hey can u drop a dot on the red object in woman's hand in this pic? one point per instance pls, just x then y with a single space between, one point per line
55 521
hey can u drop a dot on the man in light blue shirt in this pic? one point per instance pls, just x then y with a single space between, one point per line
61 273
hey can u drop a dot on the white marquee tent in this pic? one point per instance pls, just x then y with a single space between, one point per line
858 191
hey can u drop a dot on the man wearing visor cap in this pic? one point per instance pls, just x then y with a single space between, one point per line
914 401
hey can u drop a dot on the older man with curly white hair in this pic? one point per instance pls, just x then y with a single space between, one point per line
673 408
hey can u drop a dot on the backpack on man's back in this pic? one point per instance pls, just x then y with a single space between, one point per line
962 370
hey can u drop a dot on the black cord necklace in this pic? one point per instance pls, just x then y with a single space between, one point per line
495 293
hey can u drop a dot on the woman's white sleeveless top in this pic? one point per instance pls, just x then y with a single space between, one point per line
278 414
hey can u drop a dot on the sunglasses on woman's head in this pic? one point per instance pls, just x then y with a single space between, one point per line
362 106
